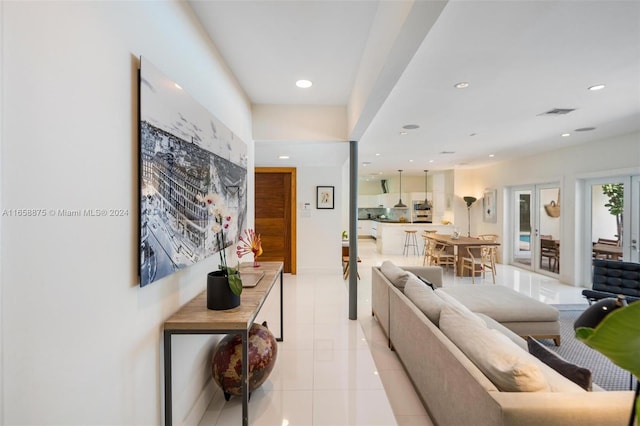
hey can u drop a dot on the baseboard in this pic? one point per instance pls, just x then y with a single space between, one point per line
196 413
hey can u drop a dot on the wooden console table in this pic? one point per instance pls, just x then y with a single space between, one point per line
195 318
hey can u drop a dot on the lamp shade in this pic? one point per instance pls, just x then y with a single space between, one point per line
469 200
400 203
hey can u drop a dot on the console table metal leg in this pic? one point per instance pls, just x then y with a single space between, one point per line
168 401
245 378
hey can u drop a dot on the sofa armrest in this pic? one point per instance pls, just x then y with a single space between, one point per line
431 273
563 408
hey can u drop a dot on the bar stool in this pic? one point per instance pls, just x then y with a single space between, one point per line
410 240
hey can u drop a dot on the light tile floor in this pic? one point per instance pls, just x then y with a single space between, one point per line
334 371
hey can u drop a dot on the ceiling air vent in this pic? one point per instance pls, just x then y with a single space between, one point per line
558 111
447 152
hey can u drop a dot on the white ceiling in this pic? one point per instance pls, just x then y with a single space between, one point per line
521 58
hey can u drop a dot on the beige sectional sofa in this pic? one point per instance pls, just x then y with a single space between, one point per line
487 377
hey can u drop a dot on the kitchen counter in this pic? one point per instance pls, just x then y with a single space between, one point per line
393 221
390 235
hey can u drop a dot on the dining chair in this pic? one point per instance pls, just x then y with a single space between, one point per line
427 258
549 249
493 250
443 255
472 261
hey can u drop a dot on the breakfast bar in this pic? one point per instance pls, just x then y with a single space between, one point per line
390 235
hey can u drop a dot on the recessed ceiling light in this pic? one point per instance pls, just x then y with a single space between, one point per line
377 154
304 84
597 87
404 133
177 86
491 155
565 135
411 161
431 161
283 157
461 85
410 126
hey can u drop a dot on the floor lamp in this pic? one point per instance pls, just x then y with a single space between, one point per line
469 201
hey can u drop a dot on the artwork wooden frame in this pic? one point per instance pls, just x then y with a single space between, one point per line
489 207
185 153
325 197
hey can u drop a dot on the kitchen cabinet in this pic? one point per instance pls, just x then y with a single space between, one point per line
390 199
367 201
364 227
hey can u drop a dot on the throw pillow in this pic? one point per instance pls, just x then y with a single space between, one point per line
424 298
394 273
578 375
509 367
427 282
453 302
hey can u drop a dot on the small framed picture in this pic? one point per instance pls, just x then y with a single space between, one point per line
324 197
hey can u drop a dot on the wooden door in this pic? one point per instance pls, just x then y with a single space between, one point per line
275 201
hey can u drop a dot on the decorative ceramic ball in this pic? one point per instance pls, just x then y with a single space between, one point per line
226 364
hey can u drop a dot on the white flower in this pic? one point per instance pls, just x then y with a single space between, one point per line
216 228
213 200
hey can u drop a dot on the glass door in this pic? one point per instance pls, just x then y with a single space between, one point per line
635 220
536 228
548 231
615 218
522 230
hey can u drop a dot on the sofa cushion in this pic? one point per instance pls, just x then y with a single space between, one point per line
579 375
424 298
506 364
463 310
495 325
394 273
427 282
502 303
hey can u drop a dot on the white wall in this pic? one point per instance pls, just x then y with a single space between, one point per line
81 341
319 231
569 166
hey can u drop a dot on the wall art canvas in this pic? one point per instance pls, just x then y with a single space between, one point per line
489 213
185 152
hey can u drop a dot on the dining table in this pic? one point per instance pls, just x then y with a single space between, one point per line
460 245
608 250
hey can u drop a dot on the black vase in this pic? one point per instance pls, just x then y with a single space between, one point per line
219 294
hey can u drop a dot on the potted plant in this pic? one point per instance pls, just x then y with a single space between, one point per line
224 286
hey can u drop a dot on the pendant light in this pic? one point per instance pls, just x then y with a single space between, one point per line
400 203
